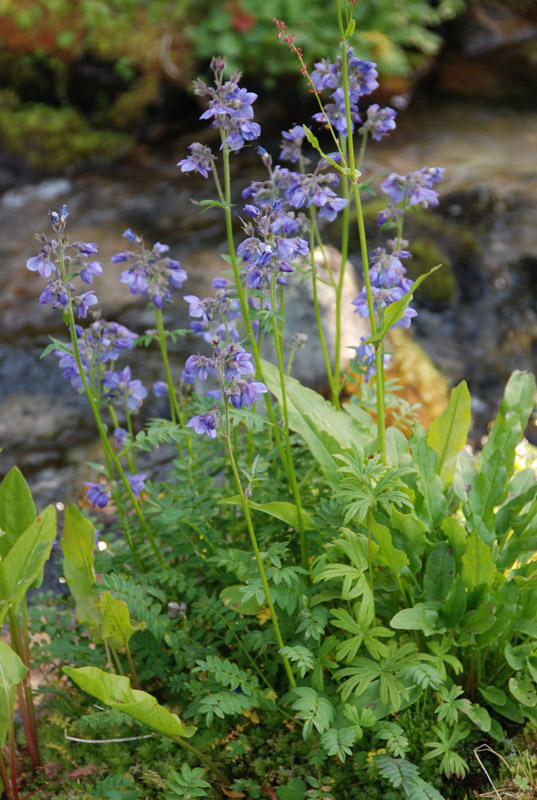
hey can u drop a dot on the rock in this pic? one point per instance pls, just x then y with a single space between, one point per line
309 365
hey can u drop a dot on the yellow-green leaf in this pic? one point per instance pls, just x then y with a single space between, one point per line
116 692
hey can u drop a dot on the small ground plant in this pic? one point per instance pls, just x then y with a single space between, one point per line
312 604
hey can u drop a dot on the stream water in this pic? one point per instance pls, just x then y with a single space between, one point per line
484 330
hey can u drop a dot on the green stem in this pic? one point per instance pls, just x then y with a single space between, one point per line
292 475
175 409
355 177
106 444
255 547
244 303
318 319
203 758
132 669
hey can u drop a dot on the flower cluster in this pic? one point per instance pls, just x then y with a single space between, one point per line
153 273
214 315
119 386
60 262
230 109
413 189
388 284
99 343
266 253
362 79
232 364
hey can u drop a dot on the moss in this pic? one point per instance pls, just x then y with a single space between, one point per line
440 286
55 138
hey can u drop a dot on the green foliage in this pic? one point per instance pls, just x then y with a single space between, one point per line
115 787
187 784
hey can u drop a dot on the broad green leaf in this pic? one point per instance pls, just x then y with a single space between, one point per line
480 619
294 790
431 507
116 624
12 672
17 509
387 555
24 563
515 547
325 430
439 572
116 692
232 596
523 690
493 695
488 491
479 716
412 529
419 618
508 427
506 600
78 545
448 433
454 607
477 564
286 512
516 656
397 450
457 536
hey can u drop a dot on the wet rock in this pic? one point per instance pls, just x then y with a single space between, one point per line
490 52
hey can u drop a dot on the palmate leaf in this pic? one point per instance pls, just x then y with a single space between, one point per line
363 671
363 634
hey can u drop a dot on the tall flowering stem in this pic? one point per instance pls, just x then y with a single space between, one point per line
354 179
278 342
288 465
175 409
109 452
253 541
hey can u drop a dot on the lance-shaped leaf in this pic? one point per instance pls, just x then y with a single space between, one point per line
116 624
115 691
23 565
395 311
508 427
17 509
448 432
12 672
477 564
286 512
78 545
325 430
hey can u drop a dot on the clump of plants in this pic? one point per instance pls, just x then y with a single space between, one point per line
313 603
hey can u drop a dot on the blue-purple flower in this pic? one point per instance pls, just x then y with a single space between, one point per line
416 188
137 483
200 160
98 494
204 423
119 386
152 274
379 121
